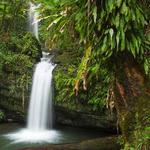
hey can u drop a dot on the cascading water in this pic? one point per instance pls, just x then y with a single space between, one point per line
40 109
33 19
39 122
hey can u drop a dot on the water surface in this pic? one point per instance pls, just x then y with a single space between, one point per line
65 135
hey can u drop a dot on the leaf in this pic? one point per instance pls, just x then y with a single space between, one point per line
113 43
132 49
133 15
118 3
147 128
122 41
99 25
146 68
104 45
109 53
110 4
54 22
94 12
111 32
124 9
117 40
84 62
135 41
117 20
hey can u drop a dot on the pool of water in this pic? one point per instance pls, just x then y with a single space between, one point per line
61 134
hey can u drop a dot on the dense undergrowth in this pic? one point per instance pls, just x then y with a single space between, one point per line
89 37
19 51
113 37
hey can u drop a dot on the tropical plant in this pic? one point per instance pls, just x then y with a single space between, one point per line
13 15
112 32
104 28
2 115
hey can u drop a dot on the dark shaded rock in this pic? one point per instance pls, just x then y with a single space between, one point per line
108 143
13 116
79 118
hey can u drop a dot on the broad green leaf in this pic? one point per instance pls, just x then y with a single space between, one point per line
118 2
117 20
132 48
111 32
94 12
104 44
124 9
54 22
110 4
113 43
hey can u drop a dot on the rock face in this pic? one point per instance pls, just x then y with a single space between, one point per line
78 118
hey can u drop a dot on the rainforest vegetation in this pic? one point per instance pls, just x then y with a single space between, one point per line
102 52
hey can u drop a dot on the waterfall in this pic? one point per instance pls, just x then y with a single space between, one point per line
40 116
33 19
40 108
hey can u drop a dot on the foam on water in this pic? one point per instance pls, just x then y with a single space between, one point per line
29 136
40 114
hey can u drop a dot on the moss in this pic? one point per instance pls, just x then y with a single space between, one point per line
132 102
2 115
17 58
133 123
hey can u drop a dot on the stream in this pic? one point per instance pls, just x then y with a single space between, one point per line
65 135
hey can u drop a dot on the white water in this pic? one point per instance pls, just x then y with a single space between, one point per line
40 115
40 110
33 19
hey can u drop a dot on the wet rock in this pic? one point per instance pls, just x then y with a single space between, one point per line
79 118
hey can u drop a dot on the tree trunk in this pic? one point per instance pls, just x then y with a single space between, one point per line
132 101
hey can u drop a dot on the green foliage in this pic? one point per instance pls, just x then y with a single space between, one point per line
99 31
27 45
107 27
64 81
147 133
2 115
124 23
13 15
147 66
99 86
84 62
94 98
18 54
19 51
65 78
